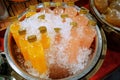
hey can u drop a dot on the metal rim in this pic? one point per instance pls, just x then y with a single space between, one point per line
102 56
76 76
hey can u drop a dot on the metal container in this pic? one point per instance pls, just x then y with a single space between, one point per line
112 32
97 56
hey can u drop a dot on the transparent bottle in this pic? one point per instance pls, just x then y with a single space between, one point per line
58 36
36 54
23 44
58 8
45 40
70 9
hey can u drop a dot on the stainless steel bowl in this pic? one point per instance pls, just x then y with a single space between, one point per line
112 32
99 50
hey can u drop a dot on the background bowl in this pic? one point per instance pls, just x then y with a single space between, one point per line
112 32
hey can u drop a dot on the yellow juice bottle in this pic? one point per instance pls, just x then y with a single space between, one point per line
19 37
36 54
23 44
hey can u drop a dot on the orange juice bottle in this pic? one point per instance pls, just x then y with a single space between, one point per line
19 37
71 10
36 54
58 35
23 43
59 9
45 40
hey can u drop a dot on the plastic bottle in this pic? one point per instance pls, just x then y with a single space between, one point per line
45 40
59 8
23 44
58 36
70 10
36 54
19 37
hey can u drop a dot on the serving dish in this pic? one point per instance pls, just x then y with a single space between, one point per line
9 46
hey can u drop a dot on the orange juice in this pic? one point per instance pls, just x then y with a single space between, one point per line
37 56
45 40
23 44
19 39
